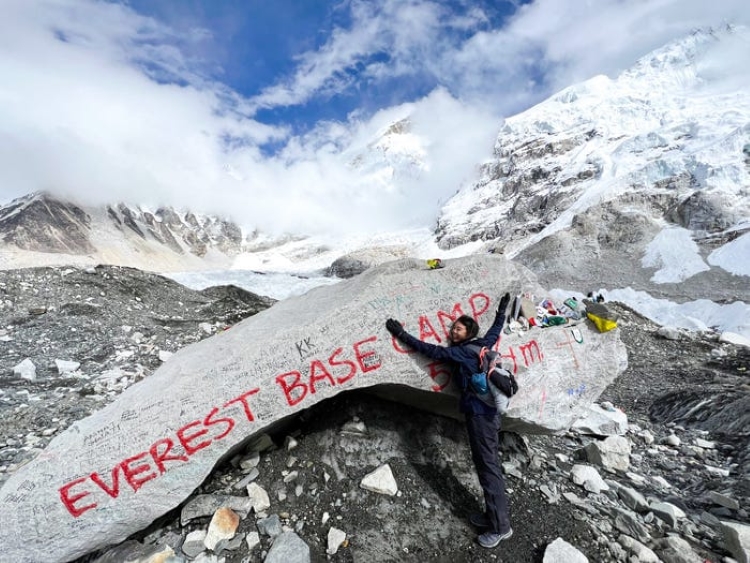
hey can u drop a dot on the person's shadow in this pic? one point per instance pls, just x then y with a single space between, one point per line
437 471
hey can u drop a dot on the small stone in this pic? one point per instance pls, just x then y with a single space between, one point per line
661 481
717 471
589 478
288 547
291 443
253 540
336 537
223 526
672 440
676 549
194 543
250 462
643 553
26 370
705 444
724 500
560 550
633 499
259 497
737 538
249 478
667 512
270 526
380 481
64 366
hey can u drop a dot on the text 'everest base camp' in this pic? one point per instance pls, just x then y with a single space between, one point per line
112 474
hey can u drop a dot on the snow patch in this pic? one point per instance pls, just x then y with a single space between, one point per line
734 257
676 255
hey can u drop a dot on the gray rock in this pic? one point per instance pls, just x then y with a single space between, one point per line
673 549
668 512
588 477
270 526
627 522
288 548
146 452
643 553
193 544
601 422
723 500
633 499
25 370
560 550
206 505
737 538
612 453
380 481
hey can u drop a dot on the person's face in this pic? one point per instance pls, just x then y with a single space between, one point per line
459 332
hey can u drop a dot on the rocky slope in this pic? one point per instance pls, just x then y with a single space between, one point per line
685 396
594 182
41 229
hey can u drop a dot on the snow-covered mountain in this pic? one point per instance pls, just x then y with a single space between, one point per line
40 229
640 181
638 184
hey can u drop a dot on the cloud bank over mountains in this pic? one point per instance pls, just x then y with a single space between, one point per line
101 102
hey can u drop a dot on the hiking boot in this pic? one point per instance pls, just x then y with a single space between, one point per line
491 539
479 520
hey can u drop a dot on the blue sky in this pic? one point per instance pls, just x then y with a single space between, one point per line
265 111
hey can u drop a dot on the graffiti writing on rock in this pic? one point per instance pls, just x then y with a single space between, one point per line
305 348
83 494
338 368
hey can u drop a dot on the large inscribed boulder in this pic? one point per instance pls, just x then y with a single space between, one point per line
112 474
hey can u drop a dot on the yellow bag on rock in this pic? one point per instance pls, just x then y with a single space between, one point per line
604 320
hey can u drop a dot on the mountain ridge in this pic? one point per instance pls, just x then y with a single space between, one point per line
636 181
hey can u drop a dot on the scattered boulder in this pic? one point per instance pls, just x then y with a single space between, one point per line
560 550
66 366
25 370
288 548
600 421
355 263
336 538
380 481
588 477
737 537
612 453
223 526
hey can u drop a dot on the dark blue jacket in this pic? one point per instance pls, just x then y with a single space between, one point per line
463 359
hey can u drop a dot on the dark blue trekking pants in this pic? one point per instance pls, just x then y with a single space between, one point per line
483 439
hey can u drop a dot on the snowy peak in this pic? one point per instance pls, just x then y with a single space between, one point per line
65 232
602 139
40 223
396 152
602 168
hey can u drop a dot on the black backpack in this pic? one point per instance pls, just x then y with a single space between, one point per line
481 384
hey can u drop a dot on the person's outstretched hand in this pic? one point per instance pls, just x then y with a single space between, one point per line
503 305
394 327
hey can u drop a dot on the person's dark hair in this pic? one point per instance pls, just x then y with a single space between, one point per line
472 327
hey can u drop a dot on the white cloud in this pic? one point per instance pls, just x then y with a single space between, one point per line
404 29
579 39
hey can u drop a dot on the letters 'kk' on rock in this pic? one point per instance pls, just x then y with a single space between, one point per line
112 474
